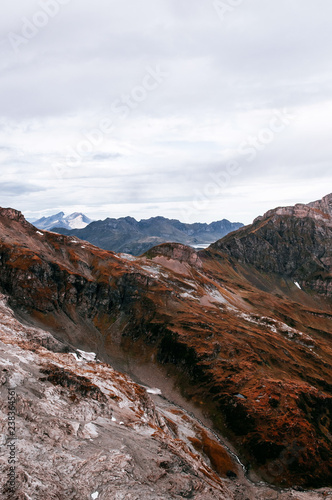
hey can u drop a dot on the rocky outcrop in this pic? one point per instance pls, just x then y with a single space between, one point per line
13 215
293 242
324 205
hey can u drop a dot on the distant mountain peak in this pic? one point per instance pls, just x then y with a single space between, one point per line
75 220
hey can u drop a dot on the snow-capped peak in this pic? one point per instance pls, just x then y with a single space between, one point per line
75 220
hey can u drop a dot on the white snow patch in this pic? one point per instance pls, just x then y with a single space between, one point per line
151 270
298 286
41 234
77 222
88 356
216 295
94 495
113 419
75 356
201 246
187 295
153 390
127 256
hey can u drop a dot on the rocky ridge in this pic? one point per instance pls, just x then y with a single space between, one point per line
292 242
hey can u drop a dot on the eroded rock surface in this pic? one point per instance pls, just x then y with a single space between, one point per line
82 428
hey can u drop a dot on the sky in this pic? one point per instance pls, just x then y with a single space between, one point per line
196 110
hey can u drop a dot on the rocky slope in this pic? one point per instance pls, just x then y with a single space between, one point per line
130 236
87 431
246 345
83 422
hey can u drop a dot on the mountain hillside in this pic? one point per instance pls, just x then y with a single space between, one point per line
114 438
243 328
130 236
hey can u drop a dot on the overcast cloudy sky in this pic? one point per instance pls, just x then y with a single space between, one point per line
192 109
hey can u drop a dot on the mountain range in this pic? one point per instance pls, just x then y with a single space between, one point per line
218 362
127 235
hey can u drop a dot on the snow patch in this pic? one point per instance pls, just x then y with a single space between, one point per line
76 222
38 232
298 286
127 256
187 295
153 390
88 356
75 356
152 271
94 495
217 297
201 246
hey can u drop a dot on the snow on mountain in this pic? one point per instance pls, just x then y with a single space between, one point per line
75 220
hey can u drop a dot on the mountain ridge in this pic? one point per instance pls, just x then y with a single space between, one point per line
127 235
294 242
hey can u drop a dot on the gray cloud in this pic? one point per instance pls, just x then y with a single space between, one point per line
18 189
225 80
